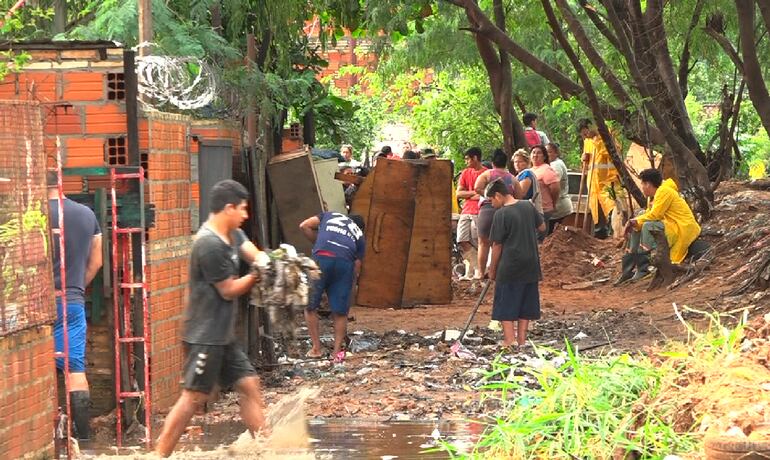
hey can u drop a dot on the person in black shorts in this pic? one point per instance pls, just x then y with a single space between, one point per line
213 356
515 265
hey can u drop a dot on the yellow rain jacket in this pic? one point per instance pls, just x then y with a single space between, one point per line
681 228
601 175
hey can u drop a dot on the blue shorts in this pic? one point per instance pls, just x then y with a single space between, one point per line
76 332
336 280
515 301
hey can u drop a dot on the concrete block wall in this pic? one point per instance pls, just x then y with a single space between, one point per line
27 393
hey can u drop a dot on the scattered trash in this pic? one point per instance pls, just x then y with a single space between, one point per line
494 325
364 371
580 336
450 335
459 350
361 344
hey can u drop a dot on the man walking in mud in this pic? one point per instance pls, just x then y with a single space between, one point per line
213 356
515 265
338 248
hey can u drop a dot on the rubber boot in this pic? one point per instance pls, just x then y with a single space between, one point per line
628 263
642 266
80 402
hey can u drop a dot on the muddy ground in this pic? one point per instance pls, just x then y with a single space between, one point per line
407 372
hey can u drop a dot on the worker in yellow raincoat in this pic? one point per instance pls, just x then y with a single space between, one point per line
601 175
669 213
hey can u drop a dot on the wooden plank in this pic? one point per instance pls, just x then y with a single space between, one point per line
331 189
388 234
349 178
293 184
428 271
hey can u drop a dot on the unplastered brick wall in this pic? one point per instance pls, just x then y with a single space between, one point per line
27 386
164 142
82 95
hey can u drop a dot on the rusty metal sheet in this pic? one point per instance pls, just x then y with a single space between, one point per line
388 234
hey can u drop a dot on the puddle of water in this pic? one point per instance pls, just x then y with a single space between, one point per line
330 439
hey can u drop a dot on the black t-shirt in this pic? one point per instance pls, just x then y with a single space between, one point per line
515 227
210 318
80 227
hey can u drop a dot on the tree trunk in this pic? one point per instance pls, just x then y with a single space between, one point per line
751 68
216 17
59 16
684 60
498 67
693 177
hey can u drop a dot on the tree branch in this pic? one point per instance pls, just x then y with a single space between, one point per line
764 8
752 71
593 100
593 56
564 84
593 15
728 47
684 60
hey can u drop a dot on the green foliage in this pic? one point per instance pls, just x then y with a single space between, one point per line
626 406
457 113
174 34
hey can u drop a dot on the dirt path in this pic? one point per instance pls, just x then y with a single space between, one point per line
408 373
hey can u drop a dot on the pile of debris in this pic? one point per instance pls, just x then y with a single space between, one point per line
569 256
286 278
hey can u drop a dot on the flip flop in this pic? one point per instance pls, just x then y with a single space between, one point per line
312 355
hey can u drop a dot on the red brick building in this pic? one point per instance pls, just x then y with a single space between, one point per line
80 91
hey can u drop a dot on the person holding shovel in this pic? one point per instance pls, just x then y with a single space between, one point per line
515 265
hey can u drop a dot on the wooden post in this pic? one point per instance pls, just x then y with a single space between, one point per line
145 26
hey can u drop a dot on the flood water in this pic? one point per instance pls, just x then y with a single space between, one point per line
331 439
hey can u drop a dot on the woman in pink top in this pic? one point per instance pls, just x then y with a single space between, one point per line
547 179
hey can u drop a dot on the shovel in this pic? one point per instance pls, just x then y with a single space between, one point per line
458 344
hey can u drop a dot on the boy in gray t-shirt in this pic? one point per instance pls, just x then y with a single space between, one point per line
515 265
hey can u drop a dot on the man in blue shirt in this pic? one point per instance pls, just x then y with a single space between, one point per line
338 249
83 259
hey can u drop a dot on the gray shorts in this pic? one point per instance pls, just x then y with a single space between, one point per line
484 221
208 365
466 229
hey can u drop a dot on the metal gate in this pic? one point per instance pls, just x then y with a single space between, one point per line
215 163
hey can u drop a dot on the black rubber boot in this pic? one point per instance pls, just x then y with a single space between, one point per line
80 402
642 266
628 263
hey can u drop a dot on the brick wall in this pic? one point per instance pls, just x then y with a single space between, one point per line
83 103
27 396
165 140
27 375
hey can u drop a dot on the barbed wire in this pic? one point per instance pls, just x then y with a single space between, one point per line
187 83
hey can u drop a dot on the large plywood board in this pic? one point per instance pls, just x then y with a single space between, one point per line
428 271
388 234
331 189
293 183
